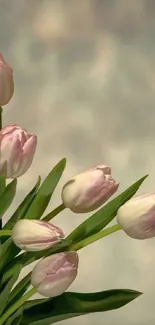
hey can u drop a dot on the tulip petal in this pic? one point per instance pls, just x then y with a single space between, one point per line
28 154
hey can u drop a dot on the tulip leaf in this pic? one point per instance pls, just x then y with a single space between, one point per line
7 196
19 289
8 251
72 304
15 319
5 291
45 192
105 215
2 183
23 207
19 213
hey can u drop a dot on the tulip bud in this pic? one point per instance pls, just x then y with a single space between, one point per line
87 191
35 235
137 217
54 274
6 82
17 148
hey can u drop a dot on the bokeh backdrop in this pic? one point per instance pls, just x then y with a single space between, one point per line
84 75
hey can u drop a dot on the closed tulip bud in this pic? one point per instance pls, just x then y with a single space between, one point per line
6 82
35 235
137 217
89 190
17 149
54 274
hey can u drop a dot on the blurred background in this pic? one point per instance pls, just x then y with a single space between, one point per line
84 75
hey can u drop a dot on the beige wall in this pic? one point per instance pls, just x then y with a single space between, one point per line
85 83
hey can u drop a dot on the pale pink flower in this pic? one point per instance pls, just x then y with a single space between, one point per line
89 190
35 235
54 274
6 82
17 149
137 217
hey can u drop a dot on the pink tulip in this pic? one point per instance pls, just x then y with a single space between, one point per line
54 274
17 149
6 82
137 216
89 190
35 235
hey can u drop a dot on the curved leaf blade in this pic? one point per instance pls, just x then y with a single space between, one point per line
15 318
19 289
8 251
105 215
2 183
45 192
23 207
7 196
4 295
70 305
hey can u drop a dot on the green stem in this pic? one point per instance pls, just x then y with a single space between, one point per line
53 213
17 305
1 111
5 233
95 237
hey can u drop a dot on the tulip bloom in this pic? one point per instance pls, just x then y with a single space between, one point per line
137 217
6 82
17 149
54 274
87 191
35 235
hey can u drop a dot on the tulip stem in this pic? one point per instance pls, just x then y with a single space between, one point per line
53 213
95 237
5 233
17 305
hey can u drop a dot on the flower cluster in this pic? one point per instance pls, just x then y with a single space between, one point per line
83 193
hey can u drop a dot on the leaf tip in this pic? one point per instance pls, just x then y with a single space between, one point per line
138 293
145 176
63 161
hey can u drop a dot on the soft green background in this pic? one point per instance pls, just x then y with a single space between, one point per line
85 84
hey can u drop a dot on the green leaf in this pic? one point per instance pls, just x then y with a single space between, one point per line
5 291
106 214
45 192
19 289
19 214
15 319
23 207
2 183
70 305
7 196
8 251
91 239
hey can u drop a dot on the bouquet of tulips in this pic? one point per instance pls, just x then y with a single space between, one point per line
28 236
